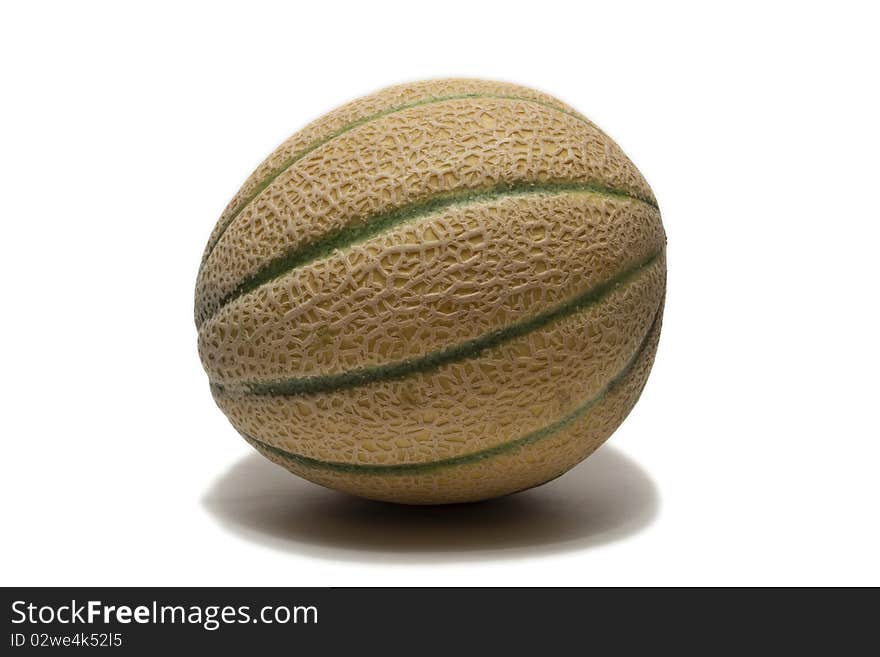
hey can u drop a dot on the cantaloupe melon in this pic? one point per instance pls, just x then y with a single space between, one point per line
443 292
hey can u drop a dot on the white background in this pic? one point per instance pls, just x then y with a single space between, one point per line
752 457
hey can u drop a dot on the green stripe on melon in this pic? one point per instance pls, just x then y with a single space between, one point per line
273 175
470 349
368 227
417 468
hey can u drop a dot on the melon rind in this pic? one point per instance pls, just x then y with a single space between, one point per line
443 292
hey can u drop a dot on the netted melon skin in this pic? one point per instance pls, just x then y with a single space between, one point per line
443 292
